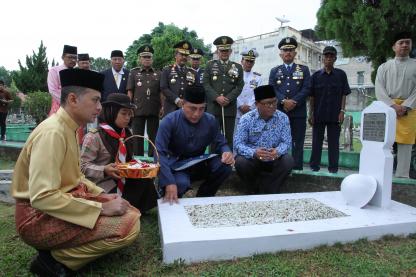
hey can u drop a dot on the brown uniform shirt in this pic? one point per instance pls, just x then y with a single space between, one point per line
145 85
4 95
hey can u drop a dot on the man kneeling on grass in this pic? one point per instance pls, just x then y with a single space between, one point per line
58 211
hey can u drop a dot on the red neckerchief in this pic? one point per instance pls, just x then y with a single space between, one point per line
122 150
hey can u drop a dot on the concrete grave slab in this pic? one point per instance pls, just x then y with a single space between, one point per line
191 242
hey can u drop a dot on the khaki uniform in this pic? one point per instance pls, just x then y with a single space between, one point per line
145 85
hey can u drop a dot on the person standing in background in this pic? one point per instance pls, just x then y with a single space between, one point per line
396 87
69 56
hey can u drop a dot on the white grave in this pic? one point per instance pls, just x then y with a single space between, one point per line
220 228
183 240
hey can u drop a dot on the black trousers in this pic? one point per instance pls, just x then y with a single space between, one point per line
3 117
298 129
229 128
141 193
212 171
263 177
139 123
318 132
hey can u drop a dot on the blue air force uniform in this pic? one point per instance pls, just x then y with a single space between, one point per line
292 82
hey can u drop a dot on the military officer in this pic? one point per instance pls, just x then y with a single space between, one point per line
291 84
245 101
195 59
143 88
223 82
175 78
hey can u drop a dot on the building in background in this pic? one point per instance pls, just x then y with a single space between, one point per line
309 53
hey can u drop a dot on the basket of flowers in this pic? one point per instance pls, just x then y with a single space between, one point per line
136 169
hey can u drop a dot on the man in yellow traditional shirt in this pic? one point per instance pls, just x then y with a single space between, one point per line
58 211
396 86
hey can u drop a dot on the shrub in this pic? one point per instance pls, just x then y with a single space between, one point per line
38 104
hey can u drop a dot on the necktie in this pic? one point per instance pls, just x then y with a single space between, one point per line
288 68
116 79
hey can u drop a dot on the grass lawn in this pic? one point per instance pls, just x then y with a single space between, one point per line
6 164
387 257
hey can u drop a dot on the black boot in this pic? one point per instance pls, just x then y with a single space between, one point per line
44 265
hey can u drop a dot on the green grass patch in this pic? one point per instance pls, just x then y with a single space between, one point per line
391 256
6 164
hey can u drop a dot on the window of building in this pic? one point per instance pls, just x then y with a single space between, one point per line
269 46
360 78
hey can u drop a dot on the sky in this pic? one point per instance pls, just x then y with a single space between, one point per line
98 27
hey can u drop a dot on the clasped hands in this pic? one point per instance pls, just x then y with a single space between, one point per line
266 154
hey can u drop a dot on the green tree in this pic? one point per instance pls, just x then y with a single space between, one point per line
32 77
5 76
162 38
366 27
100 64
38 104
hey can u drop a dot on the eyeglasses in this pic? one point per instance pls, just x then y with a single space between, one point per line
269 104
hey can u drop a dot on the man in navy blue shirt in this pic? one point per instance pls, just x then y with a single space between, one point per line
261 142
182 139
329 88
291 85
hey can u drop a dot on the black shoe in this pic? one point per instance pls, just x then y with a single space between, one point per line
49 267
315 169
297 168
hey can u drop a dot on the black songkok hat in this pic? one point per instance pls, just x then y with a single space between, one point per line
402 35
264 92
196 53
195 94
68 49
119 99
288 43
117 54
183 47
81 78
145 50
83 57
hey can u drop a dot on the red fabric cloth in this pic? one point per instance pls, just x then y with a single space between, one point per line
122 149
43 231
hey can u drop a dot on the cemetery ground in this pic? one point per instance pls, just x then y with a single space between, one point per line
390 256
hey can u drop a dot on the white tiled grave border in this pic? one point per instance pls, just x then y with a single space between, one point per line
181 240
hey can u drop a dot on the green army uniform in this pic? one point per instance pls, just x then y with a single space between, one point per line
226 79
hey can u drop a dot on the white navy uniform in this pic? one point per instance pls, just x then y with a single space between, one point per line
251 81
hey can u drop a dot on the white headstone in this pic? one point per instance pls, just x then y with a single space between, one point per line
378 130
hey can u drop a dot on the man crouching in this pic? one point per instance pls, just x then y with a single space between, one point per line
58 211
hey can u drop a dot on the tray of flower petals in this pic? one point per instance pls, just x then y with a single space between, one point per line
138 169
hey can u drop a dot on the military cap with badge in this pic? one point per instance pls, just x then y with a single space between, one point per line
145 51
251 55
196 53
224 43
184 47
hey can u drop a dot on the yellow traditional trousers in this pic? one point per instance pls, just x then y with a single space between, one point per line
77 257
406 126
